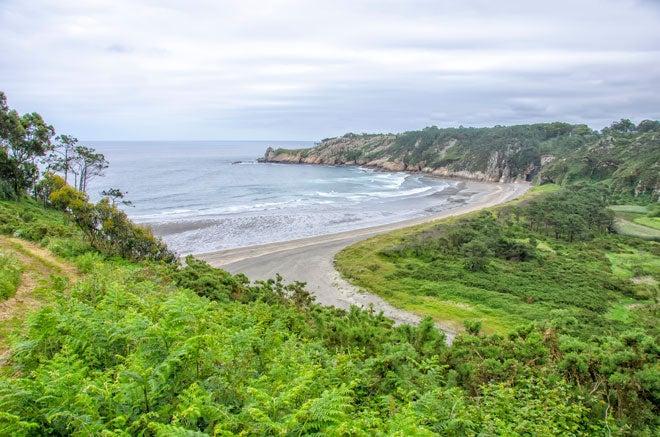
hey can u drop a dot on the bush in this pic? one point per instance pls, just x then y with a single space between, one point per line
87 262
108 229
476 255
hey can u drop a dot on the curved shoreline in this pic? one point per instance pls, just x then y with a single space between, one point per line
311 260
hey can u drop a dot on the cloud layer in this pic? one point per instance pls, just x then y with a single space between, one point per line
301 69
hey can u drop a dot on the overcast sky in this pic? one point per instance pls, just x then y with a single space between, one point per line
305 70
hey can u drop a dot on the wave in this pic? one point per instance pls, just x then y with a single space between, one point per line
185 214
412 192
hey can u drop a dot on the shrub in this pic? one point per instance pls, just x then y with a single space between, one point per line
476 255
88 261
108 229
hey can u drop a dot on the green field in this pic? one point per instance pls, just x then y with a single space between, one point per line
637 221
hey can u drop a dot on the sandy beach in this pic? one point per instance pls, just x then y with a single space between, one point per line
311 259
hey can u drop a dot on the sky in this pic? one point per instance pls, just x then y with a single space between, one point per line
306 69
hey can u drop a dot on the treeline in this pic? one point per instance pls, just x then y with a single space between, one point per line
624 156
28 142
578 213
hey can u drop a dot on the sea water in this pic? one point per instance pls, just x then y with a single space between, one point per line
202 196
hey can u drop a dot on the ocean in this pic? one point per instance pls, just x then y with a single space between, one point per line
202 196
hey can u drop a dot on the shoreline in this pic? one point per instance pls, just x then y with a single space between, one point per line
311 259
234 254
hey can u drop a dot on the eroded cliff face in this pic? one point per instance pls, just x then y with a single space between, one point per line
375 151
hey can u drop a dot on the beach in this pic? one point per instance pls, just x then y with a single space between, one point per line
310 260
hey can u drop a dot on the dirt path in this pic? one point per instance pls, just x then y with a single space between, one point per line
311 260
38 266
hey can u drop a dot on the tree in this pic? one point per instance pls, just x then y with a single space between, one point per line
476 253
648 126
87 164
23 139
116 196
108 229
63 155
624 125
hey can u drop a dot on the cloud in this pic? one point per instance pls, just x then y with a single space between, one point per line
296 69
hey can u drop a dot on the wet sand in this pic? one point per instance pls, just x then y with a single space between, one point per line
311 260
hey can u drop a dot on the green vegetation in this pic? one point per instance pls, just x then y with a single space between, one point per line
549 257
114 336
641 221
651 222
27 141
623 157
156 348
10 275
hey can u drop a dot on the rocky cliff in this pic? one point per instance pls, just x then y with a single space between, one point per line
462 153
546 152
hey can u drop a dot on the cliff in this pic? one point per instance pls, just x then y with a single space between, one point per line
499 154
544 152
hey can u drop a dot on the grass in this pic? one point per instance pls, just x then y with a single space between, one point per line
634 264
631 229
622 312
10 275
38 268
637 221
584 280
651 222
364 266
637 209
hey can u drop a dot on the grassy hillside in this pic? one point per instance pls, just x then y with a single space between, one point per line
642 221
628 162
155 348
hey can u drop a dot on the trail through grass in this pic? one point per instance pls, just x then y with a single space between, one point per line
39 267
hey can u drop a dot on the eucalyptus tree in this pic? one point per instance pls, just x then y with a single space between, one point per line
62 156
86 165
23 140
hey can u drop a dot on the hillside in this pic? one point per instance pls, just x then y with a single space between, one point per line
160 348
548 152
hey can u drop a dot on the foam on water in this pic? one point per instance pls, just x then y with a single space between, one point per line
205 196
